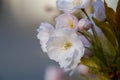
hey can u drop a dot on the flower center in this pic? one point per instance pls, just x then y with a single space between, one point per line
77 2
67 45
71 24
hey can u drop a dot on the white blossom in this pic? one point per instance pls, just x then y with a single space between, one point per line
68 21
66 48
99 10
84 24
44 32
70 6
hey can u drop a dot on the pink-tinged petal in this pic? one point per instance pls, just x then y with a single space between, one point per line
68 21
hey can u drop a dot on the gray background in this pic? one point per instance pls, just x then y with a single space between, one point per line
20 55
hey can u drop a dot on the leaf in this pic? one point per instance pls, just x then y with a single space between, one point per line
102 76
94 64
118 63
105 27
110 14
117 16
108 48
87 35
89 62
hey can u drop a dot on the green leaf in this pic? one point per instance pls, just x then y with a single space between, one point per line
102 76
94 64
87 35
108 48
93 67
105 27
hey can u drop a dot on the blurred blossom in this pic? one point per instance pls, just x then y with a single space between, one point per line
54 73
70 6
65 48
44 32
82 69
99 10
68 21
84 24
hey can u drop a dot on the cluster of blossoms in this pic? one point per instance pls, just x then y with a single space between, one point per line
63 43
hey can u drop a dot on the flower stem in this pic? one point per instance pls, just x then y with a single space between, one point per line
83 10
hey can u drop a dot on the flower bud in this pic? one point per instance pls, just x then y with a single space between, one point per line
99 10
84 24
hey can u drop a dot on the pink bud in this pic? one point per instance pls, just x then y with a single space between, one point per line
84 24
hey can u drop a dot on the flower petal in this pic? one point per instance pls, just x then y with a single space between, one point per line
44 32
68 21
70 6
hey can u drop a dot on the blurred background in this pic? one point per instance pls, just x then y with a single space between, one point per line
21 57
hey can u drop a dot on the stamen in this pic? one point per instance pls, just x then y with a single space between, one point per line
71 24
67 45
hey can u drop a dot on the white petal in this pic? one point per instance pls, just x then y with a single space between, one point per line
54 47
44 32
65 5
67 58
62 32
70 6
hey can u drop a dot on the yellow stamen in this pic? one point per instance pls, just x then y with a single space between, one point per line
71 24
67 45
